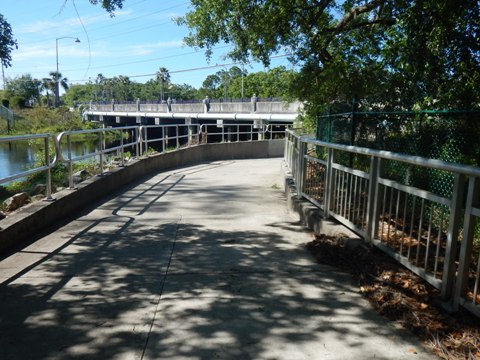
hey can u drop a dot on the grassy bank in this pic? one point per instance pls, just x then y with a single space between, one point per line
41 120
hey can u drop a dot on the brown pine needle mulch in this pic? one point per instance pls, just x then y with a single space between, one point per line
403 297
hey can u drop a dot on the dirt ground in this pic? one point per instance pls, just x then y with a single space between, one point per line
403 297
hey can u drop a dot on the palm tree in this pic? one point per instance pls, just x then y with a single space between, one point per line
163 76
51 84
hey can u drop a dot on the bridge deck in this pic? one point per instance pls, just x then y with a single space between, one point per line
199 263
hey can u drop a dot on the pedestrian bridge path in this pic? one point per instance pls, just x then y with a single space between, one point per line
203 262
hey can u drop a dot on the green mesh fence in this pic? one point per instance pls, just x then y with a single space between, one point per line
446 135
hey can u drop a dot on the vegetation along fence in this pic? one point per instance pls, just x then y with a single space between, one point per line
431 234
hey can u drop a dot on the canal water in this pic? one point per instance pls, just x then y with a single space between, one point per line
19 156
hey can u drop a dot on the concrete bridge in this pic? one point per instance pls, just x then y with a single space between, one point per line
196 257
252 111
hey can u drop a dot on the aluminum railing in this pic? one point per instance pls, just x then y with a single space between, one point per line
138 140
179 135
431 234
108 141
46 140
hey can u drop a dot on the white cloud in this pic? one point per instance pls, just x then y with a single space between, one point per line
69 24
150 48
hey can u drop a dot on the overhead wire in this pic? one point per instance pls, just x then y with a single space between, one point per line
88 40
197 68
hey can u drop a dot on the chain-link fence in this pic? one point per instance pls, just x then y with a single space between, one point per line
446 135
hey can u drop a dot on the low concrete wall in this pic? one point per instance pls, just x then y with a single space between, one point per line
35 218
313 218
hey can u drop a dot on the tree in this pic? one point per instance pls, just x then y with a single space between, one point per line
399 53
7 42
51 84
25 87
163 77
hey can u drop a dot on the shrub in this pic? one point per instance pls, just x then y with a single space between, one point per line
17 102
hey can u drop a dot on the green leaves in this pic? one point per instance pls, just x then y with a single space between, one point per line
7 42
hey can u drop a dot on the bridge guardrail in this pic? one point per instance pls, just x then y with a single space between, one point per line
138 139
420 229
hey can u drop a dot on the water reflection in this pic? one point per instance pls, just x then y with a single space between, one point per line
15 157
19 156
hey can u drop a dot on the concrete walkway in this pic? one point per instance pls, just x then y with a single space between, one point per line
203 262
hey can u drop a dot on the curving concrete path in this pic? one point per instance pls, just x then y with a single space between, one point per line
204 262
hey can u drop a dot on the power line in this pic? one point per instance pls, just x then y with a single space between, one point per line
88 40
197 68
110 25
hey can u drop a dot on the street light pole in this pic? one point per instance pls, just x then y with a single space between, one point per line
57 84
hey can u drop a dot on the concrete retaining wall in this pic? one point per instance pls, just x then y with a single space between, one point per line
31 220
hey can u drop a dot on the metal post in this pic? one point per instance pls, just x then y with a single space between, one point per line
467 240
163 138
100 141
145 140
328 195
177 134
301 169
372 200
452 237
122 150
49 172
137 142
57 82
71 185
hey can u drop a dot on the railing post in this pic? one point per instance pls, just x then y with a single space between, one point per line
71 185
122 150
301 169
49 172
328 194
372 199
137 142
452 237
163 139
100 140
145 140
178 140
467 240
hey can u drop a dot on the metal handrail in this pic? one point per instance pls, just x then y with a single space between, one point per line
467 170
420 229
164 139
44 168
140 141
100 152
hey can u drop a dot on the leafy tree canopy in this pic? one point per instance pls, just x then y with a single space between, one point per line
398 53
401 52
7 42
24 86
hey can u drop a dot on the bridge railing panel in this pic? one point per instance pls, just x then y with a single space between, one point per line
370 192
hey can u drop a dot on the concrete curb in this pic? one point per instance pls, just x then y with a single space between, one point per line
30 220
311 216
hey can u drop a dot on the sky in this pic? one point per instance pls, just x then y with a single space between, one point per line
136 42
